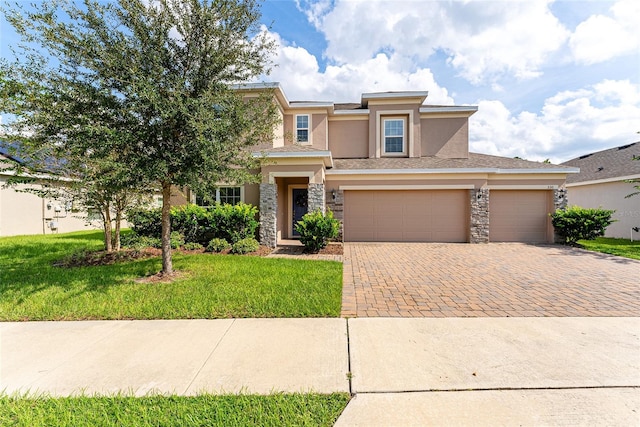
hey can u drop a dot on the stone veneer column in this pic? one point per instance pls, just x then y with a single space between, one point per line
559 202
337 207
315 197
268 214
479 224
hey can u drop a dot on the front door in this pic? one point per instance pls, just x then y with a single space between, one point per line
300 207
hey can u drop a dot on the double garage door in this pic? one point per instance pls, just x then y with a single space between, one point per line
443 216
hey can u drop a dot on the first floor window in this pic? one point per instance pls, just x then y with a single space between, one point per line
394 136
302 128
229 195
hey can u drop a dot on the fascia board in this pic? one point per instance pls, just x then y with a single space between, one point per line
445 171
604 181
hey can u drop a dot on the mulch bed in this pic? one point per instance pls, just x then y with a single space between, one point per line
95 258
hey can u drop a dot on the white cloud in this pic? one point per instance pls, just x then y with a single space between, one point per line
600 38
570 124
299 72
483 40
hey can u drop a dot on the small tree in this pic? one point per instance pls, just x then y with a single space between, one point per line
153 81
576 223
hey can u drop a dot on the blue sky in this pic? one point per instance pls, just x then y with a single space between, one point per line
551 79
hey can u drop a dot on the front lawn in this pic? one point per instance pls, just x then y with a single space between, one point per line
211 286
620 247
205 410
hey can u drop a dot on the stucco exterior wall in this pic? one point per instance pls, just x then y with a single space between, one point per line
610 195
319 131
445 137
26 213
349 139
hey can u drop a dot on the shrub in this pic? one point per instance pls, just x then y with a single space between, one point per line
192 246
133 241
245 246
193 222
234 222
217 245
576 223
145 222
316 229
176 239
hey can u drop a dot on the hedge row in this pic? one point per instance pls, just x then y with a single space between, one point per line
198 224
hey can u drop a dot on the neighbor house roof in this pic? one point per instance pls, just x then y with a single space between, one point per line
607 164
475 163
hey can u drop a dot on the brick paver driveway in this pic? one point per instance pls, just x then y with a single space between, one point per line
497 279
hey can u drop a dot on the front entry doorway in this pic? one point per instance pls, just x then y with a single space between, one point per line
300 205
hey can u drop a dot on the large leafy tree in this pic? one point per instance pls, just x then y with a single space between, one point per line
149 81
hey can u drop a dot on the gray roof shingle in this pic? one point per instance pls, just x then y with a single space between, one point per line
606 164
475 161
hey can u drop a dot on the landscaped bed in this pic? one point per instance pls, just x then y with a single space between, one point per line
205 410
208 285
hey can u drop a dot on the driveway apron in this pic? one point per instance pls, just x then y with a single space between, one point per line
488 280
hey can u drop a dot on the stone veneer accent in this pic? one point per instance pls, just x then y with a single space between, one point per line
559 202
337 207
316 198
268 214
479 224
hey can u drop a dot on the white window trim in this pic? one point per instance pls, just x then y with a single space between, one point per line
383 140
230 186
407 116
295 129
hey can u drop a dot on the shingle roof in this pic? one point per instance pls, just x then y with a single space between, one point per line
606 164
294 148
475 161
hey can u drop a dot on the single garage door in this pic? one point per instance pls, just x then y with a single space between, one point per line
519 216
406 216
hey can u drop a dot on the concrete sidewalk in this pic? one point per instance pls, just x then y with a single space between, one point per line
451 371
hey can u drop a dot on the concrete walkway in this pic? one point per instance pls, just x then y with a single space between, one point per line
451 371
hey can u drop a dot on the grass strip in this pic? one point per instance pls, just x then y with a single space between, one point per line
606 245
203 410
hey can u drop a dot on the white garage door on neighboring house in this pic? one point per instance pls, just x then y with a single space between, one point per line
406 215
520 216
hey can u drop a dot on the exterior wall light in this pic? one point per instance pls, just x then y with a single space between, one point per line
333 194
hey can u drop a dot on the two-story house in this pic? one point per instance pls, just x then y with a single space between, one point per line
394 169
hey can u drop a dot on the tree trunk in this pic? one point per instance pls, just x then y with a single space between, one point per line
116 234
167 265
106 216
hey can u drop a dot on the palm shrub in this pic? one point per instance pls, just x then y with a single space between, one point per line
577 223
316 229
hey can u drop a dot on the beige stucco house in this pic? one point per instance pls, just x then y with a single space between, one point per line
393 168
27 213
603 183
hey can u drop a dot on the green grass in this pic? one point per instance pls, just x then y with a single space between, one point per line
213 286
620 247
204 410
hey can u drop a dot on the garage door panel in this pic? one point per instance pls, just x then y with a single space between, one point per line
410 216
519 216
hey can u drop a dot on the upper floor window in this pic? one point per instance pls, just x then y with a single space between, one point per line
394 137
302 128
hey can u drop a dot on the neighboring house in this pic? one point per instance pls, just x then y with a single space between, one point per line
27 213
603 183
393 169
